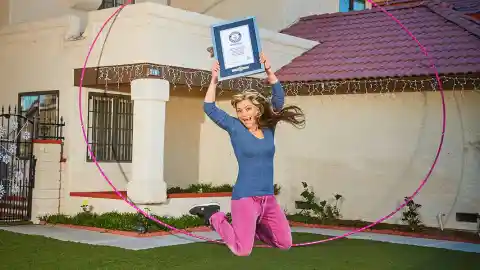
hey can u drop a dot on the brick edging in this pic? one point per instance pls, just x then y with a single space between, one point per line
48 141
126 233
199 195
292 223
114 196
387 232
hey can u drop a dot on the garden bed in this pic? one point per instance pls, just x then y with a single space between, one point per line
208 188
385 228
313 213
192 191
125 222
136 225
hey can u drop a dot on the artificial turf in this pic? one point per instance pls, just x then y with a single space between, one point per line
19 251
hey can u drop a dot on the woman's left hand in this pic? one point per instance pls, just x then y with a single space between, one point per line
265 62
268 69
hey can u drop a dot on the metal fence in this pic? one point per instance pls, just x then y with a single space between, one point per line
17 161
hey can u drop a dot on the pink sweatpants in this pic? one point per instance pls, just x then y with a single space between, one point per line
253 218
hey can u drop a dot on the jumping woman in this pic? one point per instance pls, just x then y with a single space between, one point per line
255 211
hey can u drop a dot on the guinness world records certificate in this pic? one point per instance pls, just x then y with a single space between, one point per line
236 45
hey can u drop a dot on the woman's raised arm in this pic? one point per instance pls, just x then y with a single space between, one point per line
278 95
218 116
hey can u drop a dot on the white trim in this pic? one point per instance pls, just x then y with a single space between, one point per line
195 19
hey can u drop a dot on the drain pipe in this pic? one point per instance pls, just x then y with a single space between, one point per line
440 220
60 170
478 225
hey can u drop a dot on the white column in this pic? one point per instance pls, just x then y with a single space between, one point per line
147 185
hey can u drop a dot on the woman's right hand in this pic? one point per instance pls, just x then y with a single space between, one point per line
210 95
215 70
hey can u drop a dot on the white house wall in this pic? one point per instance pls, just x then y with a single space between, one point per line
374 150
28 10
156 34
155 30
36 57
271 14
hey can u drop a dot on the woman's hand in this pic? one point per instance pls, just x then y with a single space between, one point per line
265 62
215 70
212 88
272 79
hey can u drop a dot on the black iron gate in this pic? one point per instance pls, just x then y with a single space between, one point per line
17 166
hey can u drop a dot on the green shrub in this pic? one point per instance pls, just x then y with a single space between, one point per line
311 209
201 188
123 221
209 188
411 215
126 221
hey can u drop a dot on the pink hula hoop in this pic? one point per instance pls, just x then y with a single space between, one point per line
424 181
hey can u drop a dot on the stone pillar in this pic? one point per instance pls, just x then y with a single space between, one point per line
48 194
147 185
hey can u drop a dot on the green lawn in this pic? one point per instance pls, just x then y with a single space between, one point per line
19 251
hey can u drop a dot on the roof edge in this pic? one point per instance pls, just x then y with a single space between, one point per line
351 13
439 7
460 19
469 75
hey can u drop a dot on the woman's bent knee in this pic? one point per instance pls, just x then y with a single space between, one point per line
242 252
285 242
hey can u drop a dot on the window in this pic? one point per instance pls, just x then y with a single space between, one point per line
43 105
110 127
351 5
114 3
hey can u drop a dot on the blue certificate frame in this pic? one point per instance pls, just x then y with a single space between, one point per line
243 56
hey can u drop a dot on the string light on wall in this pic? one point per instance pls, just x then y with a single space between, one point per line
117 75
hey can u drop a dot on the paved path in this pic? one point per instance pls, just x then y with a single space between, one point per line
132 243
106 239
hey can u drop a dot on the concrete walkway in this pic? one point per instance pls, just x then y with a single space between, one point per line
132 243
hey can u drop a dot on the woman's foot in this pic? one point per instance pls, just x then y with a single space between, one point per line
205 211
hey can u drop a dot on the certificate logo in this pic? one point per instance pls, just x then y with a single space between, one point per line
235 37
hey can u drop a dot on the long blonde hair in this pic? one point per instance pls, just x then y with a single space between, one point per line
268 117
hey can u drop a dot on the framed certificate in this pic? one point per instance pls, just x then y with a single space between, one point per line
236 46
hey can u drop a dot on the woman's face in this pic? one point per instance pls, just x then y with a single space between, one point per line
247 113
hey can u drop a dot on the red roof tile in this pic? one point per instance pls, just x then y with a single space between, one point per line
464 6
369 44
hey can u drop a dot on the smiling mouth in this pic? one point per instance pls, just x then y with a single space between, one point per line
247 119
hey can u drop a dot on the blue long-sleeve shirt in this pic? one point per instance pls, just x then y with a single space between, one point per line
254 155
